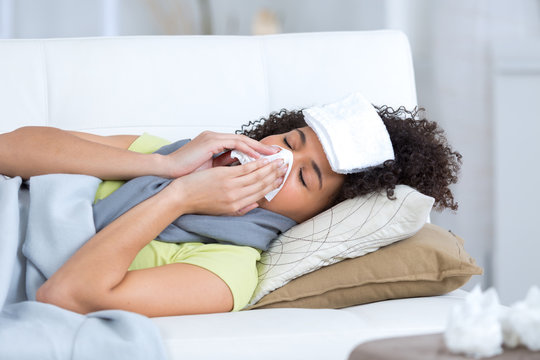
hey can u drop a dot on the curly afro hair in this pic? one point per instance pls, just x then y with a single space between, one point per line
423 158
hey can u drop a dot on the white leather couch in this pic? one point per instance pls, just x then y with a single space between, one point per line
176 87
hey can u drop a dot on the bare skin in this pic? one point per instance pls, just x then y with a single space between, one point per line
31 151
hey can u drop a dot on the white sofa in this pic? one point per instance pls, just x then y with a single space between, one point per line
177 86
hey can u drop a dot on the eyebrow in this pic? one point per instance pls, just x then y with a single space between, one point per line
302 136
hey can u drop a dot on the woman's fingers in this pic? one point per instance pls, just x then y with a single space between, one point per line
230 190
244 144
256 170
252 147
198 153
256 191
254 183
255 194
261 172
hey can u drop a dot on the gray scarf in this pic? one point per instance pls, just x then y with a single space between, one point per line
257 228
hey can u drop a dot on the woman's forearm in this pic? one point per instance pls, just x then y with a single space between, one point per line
31 151
102 263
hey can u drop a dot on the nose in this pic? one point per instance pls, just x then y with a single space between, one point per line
301 157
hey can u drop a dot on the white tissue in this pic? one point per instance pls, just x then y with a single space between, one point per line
479 326
521 323
284 154
474 328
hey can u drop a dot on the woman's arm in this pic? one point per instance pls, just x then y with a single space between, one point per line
118 141
96 277
31 151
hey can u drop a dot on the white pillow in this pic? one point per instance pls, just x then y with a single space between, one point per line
350 229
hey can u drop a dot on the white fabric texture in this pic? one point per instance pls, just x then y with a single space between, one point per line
350 229
178 86
293 333
352 134
284 154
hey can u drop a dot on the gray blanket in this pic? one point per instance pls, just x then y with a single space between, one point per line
41 228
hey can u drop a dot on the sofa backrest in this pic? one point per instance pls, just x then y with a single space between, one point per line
177 86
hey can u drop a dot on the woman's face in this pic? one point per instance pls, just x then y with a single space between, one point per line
311 185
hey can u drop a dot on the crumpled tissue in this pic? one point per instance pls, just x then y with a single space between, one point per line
480 325
521 323
473 327
284 154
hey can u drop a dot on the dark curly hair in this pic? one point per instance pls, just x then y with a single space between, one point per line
423 158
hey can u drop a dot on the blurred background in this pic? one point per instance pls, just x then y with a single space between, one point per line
477 65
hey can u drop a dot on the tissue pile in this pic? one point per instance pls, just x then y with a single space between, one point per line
480 326
284 154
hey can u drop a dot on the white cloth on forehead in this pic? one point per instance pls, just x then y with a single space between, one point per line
352 134
284 154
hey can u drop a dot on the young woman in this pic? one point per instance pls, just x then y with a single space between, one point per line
122 267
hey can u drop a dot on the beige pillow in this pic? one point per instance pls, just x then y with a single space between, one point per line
350 229
431 262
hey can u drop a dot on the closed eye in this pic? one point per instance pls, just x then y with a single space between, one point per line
287 143
302 178
300 175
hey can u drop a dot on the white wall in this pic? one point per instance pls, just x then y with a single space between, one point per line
52 18
453 43
450 44
515 93
235 17
81 18
69 18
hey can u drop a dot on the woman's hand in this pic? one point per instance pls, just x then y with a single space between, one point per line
227 190
199 153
